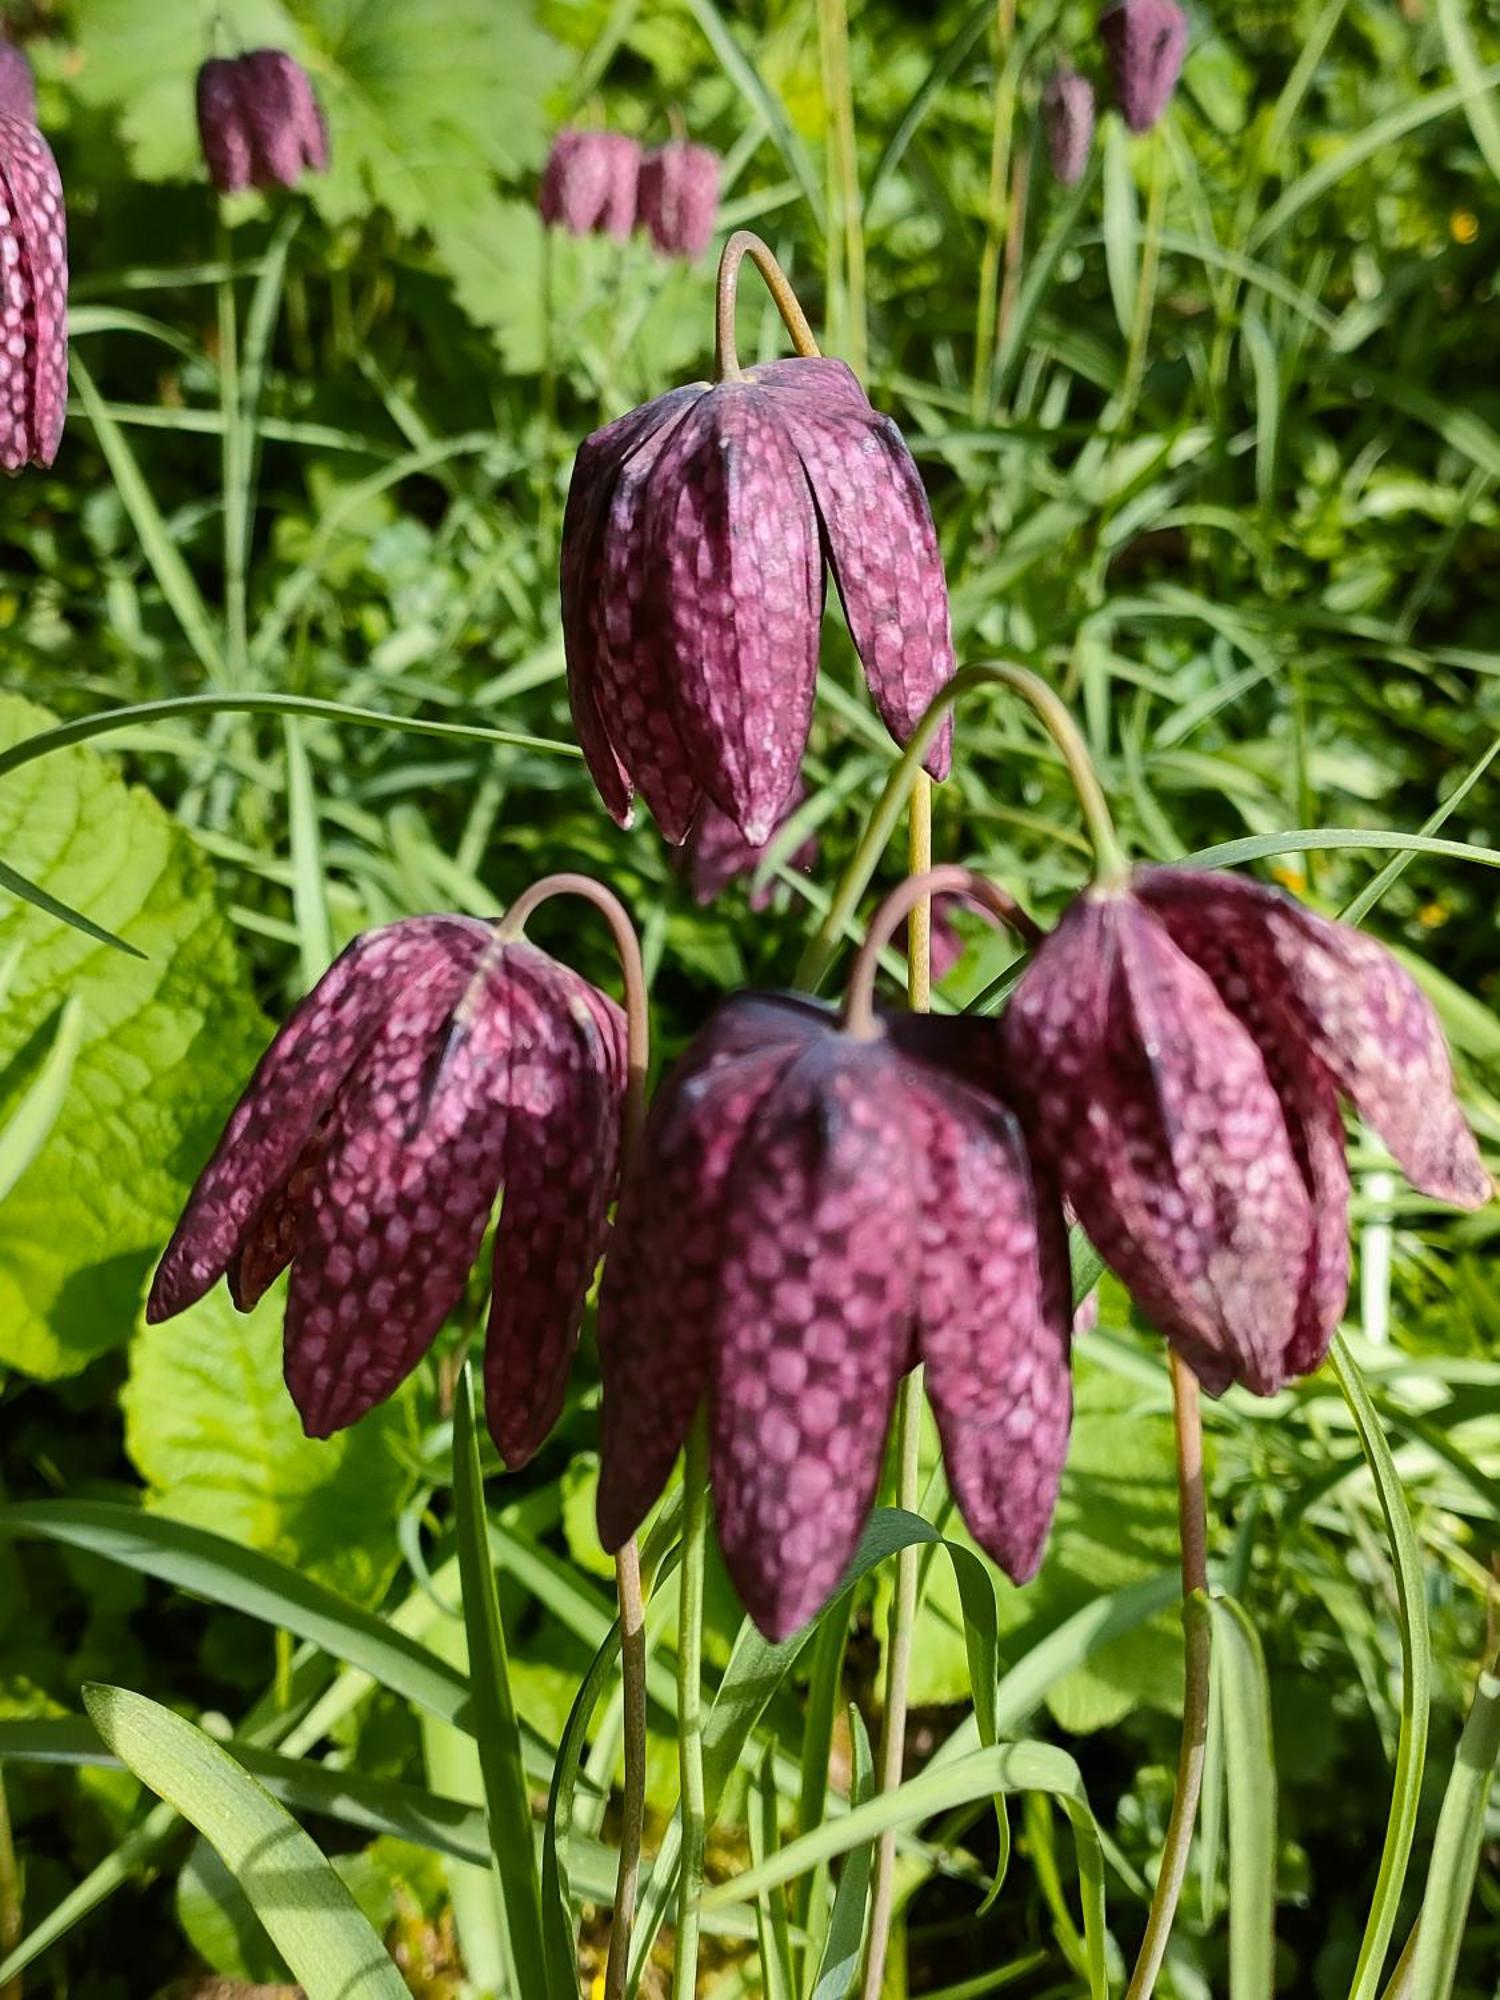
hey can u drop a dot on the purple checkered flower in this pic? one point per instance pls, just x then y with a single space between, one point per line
717 853
33 283
432 1065
679 198
694 543
17 85
814 1212
589 184
1068 119
259 121
1179 1048
1145 41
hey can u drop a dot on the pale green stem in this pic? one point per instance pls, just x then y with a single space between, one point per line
838 98
745 243
693 1806
234 473
1110 863
1002 126
1145 295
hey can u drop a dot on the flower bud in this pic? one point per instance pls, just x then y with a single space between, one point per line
1068 116
17 85
1145 41
679 198
589 184
259 121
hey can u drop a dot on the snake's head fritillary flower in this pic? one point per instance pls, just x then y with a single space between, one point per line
33 296
717 853
679 197
1146 41
1179 1048
589 184
1068 119
431 1066
692 587
259 121
17 84
815 1211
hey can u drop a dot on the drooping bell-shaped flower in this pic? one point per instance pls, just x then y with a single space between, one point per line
17 84
1178 1047
589 184
1146 41
259 121
33 280
717 853
694 542
435 1063
1068 119
679 197
815 1210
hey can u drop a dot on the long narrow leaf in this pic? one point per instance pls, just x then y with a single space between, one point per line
1250 1775
846 1926
27 1127
1457 1845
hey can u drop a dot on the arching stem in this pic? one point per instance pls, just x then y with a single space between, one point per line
627 1559
948 880
1192 1525
745 243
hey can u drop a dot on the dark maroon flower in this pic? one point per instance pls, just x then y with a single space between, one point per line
589 184
1068 117
431 1065
692 588
33 298
17 85
717 853
815 1212
679 198
1178 1049
1146 41
259 121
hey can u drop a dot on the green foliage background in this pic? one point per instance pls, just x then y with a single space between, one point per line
1226 474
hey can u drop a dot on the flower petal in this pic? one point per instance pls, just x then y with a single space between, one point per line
222 130
1358 1010
562 1141
33 299
402 1195
1151 1103
292 1089
811 1326
732 523
993 1317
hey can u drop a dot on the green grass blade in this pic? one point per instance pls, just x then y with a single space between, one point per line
1250 1779
308 1913
309 900
1416 1675
846 1926
770 1908
27 1127
139 1849
763 102
1469 74
166 559
1261 846
957 47
14 883
512 1839
1122 226
1458 1844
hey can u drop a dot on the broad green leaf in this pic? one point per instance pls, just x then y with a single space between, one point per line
507 1802
1457 1845
1416 1676
165 1043
307 1911
1250 1780
214 1434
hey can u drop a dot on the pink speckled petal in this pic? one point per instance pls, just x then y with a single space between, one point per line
561 1151
661 1275
17 85
222 130
1151 1103
622 176
402 1194
589 183
811 1325
33 299
1146 41
883 551
1068 116
271 101
1356 1009
294 1086
718 853
679 197
994 1307
730 517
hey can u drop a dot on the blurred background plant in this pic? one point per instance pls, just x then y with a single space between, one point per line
1213 442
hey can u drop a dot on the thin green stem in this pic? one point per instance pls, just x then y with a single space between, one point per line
633 1684
10 1897
1111 865
838 98
745 243
906 900
1145 294
1192 1521
693 1804
1001 127
234 474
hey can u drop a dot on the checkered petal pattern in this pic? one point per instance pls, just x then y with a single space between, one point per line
17 85
679 197
589 184
1145 41
259 121
33 297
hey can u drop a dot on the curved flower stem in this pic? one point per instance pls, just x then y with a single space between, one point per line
1193 1533
690 1709
1111 866
745 243
627 1559
915 893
